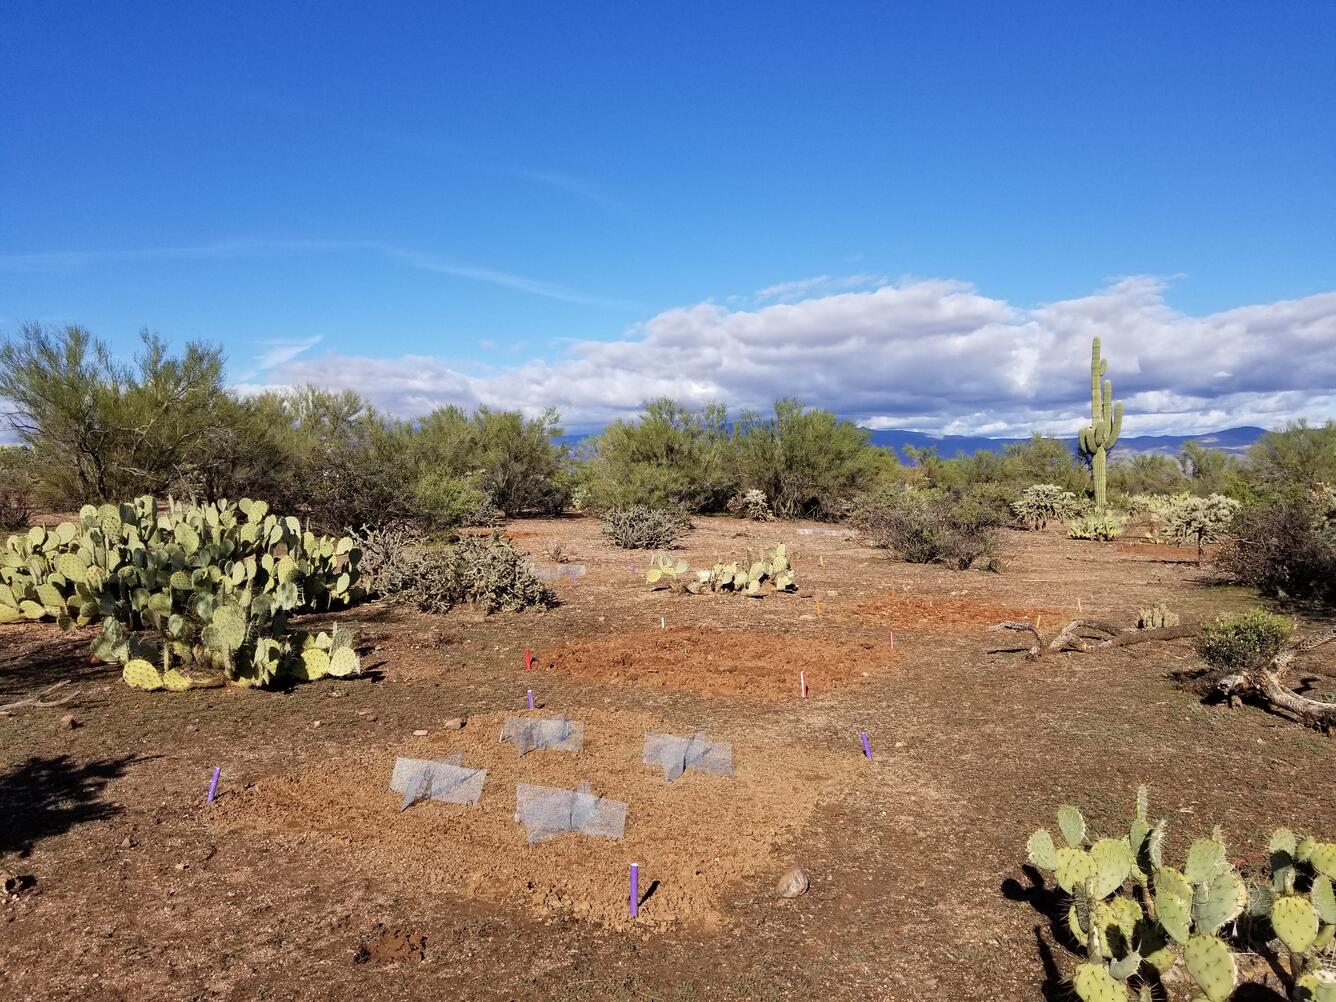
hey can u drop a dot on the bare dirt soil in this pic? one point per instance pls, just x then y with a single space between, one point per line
304 880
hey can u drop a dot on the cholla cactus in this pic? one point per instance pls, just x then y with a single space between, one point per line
751 504
1106 421
1157 617
1197 520
1040 504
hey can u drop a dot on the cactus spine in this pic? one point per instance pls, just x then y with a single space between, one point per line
1106 421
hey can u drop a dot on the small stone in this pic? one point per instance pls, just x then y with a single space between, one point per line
370 717
793 883
419 734
316 724
192 728
69 722
180 866
128 842
453 724
899 744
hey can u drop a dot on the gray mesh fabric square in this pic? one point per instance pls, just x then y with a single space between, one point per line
547 812
447 781
558 734
675 755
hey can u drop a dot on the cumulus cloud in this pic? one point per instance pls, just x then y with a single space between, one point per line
933 355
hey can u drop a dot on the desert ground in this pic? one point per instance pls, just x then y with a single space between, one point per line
303 880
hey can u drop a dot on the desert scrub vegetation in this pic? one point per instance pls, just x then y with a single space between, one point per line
1285 546
1133 916
642 527
402 565
188 595
18 483
1243 642
927 526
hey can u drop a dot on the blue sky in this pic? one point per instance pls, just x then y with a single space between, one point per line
467 194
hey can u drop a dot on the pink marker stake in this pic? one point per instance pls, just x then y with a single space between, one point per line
528 658
802 684
213 784
867 745
635 889
531 699
890 636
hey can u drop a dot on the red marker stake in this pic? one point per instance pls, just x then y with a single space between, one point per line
528 658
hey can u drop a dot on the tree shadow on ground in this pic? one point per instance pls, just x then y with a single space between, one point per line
55 659
43 797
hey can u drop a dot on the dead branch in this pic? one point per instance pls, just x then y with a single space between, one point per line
1070 638
40 700
1266 683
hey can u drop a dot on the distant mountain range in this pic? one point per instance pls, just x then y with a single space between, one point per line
1234 440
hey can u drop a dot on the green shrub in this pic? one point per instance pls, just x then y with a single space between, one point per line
1243 642
443 501
496 578
1103 526
809 463
671 457
641 527
929 526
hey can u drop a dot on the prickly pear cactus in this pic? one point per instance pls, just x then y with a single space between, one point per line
212 583
1134 915
745 577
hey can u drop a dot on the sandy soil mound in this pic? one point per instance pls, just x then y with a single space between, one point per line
720 663
692 838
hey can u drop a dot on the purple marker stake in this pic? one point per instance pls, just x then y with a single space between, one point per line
867 745
531 699
635 889
213 784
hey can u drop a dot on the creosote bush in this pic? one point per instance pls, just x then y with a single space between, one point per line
640 527
1242 642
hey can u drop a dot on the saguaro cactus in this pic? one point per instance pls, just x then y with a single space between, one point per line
1098 437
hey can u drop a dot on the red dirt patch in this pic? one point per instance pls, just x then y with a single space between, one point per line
388 946
692 838
720 663
949 613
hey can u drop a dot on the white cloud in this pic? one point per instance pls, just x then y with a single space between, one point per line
934 355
